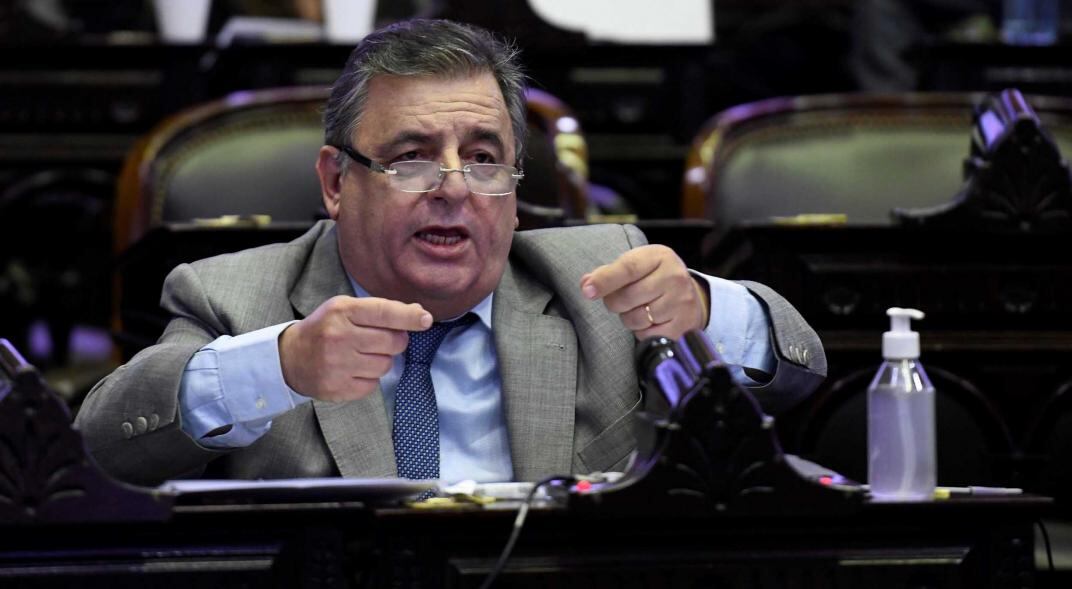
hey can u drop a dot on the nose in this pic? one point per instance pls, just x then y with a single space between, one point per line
453 185
454 177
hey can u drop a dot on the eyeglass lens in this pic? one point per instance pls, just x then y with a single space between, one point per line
487 179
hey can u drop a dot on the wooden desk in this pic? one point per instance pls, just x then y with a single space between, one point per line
709 501
980 542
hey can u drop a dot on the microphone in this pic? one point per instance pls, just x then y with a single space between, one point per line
674 367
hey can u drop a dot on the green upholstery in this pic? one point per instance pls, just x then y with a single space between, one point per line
856 155
861 173
251 153
247 167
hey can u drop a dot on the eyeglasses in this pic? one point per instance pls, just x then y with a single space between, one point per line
422 176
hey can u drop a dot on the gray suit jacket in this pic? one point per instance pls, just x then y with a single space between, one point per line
569 384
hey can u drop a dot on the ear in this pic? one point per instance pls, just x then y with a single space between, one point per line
330 174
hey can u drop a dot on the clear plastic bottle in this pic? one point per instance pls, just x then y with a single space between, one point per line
900 418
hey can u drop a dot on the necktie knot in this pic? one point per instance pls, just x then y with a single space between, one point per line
423 344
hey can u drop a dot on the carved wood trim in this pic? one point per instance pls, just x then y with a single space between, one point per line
45 473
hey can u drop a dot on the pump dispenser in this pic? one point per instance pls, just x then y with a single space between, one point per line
900 417
900 341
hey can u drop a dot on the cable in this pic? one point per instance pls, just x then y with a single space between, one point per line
1046 541
519 522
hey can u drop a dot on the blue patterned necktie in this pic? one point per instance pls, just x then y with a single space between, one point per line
416 423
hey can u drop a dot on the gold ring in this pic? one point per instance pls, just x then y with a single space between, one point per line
651 320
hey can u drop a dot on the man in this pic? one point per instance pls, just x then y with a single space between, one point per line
295 359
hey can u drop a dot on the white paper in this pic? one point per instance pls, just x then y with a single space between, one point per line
322 488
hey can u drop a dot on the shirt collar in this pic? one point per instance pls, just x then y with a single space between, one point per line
482 309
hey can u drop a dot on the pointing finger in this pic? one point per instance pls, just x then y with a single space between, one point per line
388 314
627 269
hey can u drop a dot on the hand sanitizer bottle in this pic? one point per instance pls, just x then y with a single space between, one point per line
900 418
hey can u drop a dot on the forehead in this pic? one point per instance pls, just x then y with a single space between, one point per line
434 106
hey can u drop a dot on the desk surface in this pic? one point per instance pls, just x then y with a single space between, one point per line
971 542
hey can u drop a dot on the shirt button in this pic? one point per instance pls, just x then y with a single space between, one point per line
261 403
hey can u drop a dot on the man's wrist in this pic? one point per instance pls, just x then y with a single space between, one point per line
701 287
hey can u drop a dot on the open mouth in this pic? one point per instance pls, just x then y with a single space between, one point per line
442 236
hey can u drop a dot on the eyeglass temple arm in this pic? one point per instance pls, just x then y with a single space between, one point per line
364 161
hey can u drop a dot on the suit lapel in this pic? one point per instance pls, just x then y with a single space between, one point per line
538 364
356 432
322 278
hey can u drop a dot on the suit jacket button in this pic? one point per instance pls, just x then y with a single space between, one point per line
141 425
128 430
154 421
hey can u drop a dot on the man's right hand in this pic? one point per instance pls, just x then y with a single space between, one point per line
340 351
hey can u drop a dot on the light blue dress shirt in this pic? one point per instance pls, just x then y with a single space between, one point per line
237 381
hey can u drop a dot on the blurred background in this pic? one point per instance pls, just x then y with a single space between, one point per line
637 111
82 80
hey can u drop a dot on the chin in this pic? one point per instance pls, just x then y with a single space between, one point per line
451 289
445 290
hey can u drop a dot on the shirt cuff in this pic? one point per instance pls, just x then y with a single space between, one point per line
738 327
235 381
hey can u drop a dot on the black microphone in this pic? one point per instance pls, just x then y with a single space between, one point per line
698 350
674 367
661 367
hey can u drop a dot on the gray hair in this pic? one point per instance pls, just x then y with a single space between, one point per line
425 48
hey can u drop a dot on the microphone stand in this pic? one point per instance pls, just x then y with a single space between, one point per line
705 446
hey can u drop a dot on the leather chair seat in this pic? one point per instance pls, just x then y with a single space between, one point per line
855 155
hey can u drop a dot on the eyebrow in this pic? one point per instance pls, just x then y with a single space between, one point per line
488 135
406 138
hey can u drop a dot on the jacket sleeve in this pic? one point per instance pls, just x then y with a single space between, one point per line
800 362
130 420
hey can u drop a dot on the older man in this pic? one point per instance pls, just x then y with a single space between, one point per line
416 334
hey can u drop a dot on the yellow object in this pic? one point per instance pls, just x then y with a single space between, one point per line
616 219
455 501
248 221
812 219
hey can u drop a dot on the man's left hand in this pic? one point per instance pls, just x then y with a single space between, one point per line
652 291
